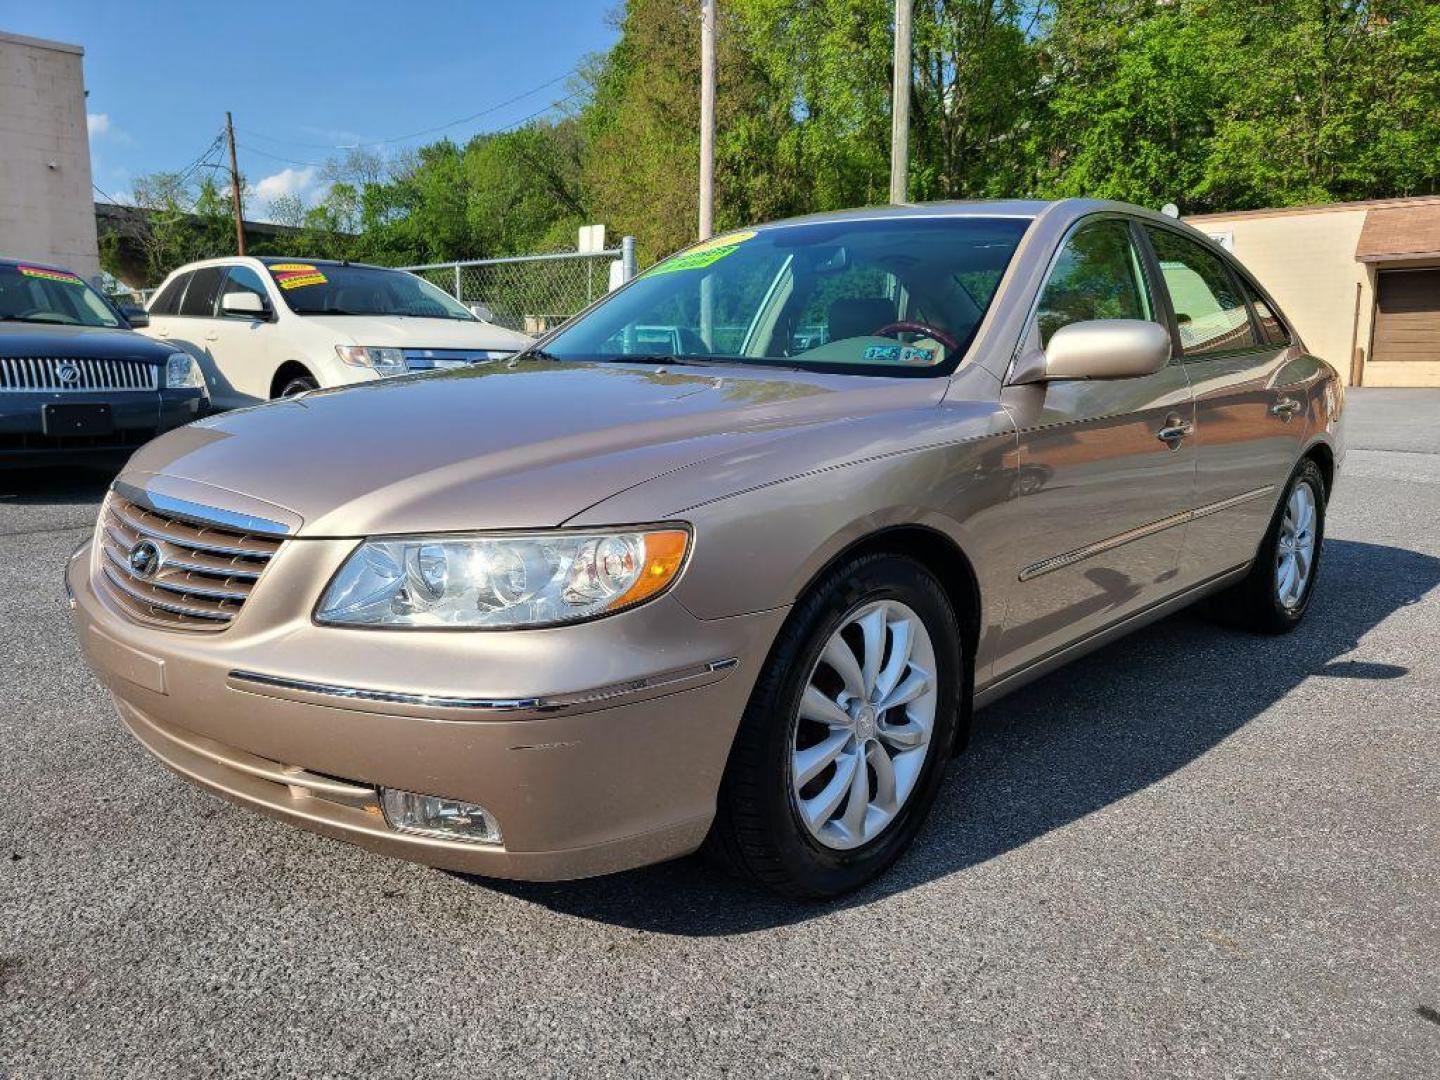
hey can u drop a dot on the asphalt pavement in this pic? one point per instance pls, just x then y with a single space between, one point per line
1194 853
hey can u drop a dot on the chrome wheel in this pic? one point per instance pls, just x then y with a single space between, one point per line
1295 551
863 728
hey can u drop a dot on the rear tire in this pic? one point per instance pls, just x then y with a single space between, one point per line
774 824
1274 596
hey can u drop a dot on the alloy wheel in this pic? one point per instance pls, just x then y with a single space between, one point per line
863 729
1295 551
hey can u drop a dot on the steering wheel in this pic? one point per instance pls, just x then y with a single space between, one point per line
907 326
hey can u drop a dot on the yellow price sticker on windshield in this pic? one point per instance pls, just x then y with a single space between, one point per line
294 275
703 254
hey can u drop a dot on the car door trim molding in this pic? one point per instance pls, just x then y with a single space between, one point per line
1110 543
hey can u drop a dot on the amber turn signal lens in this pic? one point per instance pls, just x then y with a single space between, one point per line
664 556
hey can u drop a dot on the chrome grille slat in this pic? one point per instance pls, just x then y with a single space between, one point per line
205 572
251 551
173 584
174 606
42 373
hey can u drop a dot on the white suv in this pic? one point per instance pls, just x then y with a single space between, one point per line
264 328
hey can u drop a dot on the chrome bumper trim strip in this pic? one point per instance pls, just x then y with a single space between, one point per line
1089 551
550 703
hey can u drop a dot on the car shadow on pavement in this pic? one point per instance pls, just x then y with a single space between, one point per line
1059 749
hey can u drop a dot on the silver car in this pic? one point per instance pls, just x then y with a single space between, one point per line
729 560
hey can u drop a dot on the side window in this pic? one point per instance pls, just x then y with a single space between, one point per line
1208 306
1097 276
244 279
1272 328
168 302
200 296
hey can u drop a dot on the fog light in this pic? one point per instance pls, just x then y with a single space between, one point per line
431 815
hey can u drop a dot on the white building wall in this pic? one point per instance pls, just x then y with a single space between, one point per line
47 212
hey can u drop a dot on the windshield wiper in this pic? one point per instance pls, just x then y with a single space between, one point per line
62 321
709 361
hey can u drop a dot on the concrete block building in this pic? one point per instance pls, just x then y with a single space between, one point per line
47 211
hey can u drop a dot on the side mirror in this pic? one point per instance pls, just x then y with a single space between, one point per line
137 317
1098 349
246 304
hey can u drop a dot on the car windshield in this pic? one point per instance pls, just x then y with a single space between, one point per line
337 289
887 296
42 294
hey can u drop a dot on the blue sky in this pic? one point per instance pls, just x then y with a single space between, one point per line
322 73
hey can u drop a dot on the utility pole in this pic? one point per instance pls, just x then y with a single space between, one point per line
707 118
900 106
235 188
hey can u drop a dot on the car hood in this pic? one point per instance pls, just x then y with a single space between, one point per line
89 342
504 445
406 332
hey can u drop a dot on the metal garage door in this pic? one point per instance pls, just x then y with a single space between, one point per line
1407 315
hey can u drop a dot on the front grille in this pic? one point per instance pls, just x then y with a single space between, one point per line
429 359
203 573
62 374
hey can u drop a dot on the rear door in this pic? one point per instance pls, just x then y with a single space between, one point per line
1249 416
1106 469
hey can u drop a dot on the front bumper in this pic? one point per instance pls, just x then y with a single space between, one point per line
597 747
138 417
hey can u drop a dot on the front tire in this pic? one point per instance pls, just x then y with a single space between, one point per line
843 745
300 384
1274 596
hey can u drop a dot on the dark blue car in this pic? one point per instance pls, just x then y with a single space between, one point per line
76 381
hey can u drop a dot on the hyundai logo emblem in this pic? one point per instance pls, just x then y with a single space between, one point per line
68 374
144 559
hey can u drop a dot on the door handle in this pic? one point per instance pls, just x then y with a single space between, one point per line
1285 408
1174 431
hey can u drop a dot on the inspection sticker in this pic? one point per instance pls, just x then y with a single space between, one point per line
65 277
899 354
294 275
702 255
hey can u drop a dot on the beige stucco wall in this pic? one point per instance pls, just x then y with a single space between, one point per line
1306 260
46 213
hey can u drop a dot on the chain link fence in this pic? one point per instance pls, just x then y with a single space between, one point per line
532 293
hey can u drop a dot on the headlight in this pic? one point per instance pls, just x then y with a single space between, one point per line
182 371
501 582
372 356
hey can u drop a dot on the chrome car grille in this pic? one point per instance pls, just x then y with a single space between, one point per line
192 576
61 374
429 359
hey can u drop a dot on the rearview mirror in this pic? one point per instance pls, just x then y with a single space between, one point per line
244 303
1098 349
137 317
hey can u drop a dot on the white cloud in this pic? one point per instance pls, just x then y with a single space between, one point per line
97 123
288 181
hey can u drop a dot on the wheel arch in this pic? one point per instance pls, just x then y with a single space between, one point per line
1323 455
290 369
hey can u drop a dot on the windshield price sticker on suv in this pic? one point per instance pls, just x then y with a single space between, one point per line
703 255
65 277
294 275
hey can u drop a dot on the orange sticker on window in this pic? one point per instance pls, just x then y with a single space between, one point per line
44 273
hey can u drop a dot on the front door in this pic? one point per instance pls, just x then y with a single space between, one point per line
1106 467
239 346
1249 403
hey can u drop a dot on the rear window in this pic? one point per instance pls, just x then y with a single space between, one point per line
200 296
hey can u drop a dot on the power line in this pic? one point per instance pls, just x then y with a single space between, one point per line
321 164
414 134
